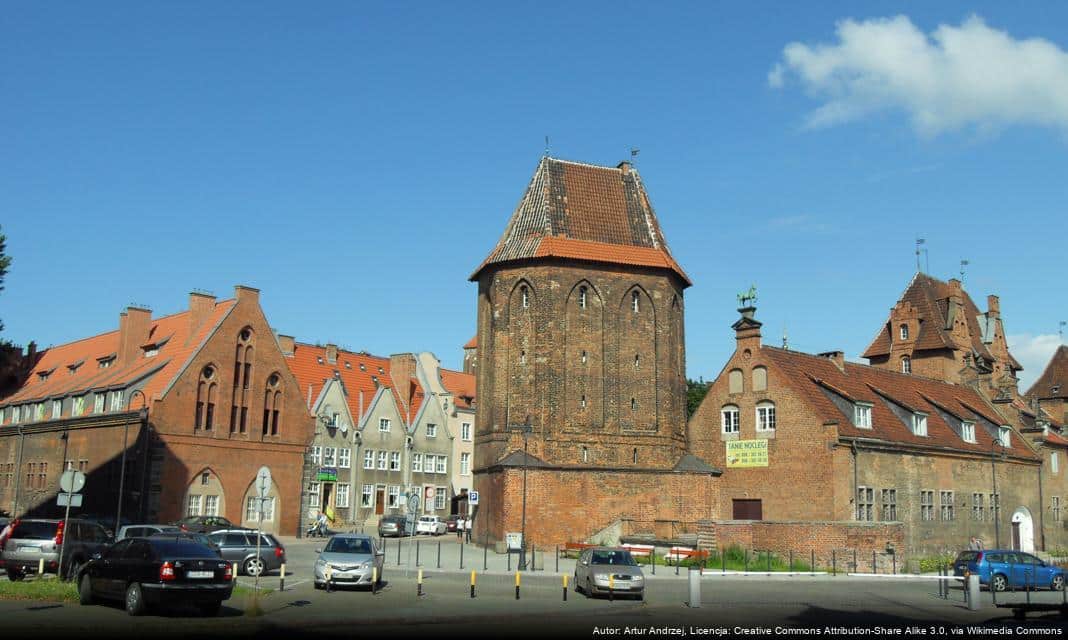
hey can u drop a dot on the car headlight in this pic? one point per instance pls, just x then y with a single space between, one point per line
637 578
603 579
320 563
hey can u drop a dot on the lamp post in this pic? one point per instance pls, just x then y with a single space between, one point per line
525 429
125 438
994 497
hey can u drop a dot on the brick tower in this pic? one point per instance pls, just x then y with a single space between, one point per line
580 336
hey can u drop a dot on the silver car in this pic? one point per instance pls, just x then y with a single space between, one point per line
144 530
349 559
601 570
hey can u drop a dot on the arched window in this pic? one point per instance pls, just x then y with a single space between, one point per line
585 454
205 409
634 456
634 301
904 332
582 297
633 404
522 357
243 358
524 296
272 405
734 381
765 413
906 364
760 379
583 357
582 401
729 418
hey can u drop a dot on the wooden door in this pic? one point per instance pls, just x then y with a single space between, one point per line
747 510
380 501
1016 535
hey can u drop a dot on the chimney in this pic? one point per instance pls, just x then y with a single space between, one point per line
993 306
134 324
201 304
331 353
242 293
401 370
837 357
287 344
747 330
624 167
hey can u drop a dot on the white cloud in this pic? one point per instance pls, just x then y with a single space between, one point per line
1034 353
958 77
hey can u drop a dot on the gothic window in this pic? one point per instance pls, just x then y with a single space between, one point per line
206 392
243 357
272 405
634 301
760 379
906 364
582 297
524 296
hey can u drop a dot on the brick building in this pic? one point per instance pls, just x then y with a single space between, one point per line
581 339
176 414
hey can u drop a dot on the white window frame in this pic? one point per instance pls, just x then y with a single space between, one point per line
384 425
57 408
1005 436
439 498
946 507
919 424
862 415
194 505
865 511
903 332
317 455
315 495
329 456
383 460
394 461
116 401
344 458
393 500
927 508
465 464
78 408
341 497
369 459
765 423
967 431
1054 462
465 431
98 403
211 505
367 496
906 365
730 419
440 464
431 430
417 463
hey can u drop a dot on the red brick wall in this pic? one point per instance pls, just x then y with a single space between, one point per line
819 538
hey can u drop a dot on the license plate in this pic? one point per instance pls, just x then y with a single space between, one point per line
24 547
200 574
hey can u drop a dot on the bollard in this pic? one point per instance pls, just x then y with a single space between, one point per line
874 567
834 562
747 560
1027 586
399 550
517 585
893 563
856 567
768 553
676 563
462 557
282 578
723 561
652 558
791 560
812 560
485 556
612 586
993 592
374 580
533 553
40 566
565 586
439 553
417 553
472 584
973 592
558 568
508 555
419 584
695 589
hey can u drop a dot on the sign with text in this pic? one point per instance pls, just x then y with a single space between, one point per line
472 497
514 541
743 454
326 474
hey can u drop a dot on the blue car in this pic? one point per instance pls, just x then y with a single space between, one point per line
1002 569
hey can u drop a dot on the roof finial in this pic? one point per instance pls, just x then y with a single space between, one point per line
963 263
748 298
785 338
546 146
919 241
1060 331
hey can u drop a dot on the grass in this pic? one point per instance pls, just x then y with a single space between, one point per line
734 559
46 589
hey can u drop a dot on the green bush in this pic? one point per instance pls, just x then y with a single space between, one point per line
931 564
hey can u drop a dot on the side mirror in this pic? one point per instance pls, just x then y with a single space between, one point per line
318 551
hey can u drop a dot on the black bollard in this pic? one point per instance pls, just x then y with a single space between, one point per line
558 568
517 585
855 566
791 560
874 567
472 584
893 563
439 553
508 554
533 552
565 587
834 562
461 557
676 566
723 561
485 555
398 551
747 561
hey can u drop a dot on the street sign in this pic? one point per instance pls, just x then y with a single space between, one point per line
263 482
69 499
429 493
472 498
413 503
72 481
514 541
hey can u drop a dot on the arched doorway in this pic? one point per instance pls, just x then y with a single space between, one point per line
272 508
204 496
1023 530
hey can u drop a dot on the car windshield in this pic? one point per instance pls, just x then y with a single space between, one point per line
967 556
35 531
178 548
348 545
613 557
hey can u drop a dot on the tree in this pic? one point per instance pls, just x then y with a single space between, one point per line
695 393
5 262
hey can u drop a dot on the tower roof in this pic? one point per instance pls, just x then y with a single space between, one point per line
1053 383
585 212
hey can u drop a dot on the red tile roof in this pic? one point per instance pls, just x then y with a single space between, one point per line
809 375
1054 439
461 385
585 212
67 377
1053 383
472 343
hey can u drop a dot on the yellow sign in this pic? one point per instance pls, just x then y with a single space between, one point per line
747 453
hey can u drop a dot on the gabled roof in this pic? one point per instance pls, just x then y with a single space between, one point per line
1053 383
931 299
472 343
461 386
74 368
809 375
585 212
691 463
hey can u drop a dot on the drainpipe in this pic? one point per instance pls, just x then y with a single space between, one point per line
856 505
1041 511
18 473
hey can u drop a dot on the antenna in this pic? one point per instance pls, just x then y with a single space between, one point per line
546 146
785 338
919 241
634 151
963 263
1060 330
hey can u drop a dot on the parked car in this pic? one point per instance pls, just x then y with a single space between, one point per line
144 530
145 572
431 525
349 559
199 538
600 569
239 545
1002 569
206 524
105 520
450 523
32 540
393 526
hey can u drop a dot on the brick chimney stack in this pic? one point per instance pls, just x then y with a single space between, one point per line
288 344
201 304
624 166
837 357
401 372
331 353
134 324
747 329
993 306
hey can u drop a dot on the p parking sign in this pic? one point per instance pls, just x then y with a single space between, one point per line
472 497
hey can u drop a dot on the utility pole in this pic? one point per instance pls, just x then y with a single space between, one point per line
525 429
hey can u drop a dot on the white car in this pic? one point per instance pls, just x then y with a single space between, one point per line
431 525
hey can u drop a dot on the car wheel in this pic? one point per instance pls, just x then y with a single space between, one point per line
210 609
319 585
72 569
15 575
998 582
85 590
253 567
135 601
1058 583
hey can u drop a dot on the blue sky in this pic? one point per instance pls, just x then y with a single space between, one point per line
356 161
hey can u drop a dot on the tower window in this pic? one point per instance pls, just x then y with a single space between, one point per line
585 454
583 357
633 404
525 297
904 332
906 364
582 297
634 301
634 456
582 401
637 360
522 357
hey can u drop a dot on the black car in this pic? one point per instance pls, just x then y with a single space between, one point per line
143 572
199 538
205 524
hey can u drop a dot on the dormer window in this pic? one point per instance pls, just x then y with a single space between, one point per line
73 368
363 367
1004 436
43 375
967 431
319 359
919 424
348 365
381 371
862 416
903 332
105 361
906 364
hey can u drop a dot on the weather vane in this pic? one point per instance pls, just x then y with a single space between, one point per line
748 298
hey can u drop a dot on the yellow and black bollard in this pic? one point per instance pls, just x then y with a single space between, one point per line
472 584
374 580
329 578
282 578
419 584
565 587
611 587
516 585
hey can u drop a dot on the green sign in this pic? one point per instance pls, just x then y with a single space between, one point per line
326 474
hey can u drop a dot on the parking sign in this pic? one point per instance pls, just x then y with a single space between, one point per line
472 497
